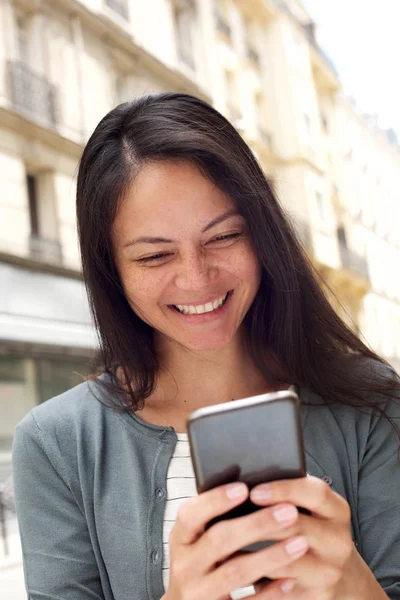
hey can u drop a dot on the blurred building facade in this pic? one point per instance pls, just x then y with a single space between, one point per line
65 63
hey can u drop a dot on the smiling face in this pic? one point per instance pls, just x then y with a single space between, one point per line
184 256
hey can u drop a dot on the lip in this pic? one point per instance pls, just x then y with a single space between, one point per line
204 317
213 299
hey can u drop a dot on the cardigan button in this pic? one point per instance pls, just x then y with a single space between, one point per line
328 479
154 556
160 493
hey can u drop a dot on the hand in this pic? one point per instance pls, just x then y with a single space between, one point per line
332 568
201 561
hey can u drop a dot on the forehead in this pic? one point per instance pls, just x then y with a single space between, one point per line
169 195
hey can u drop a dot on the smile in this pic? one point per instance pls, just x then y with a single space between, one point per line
190 309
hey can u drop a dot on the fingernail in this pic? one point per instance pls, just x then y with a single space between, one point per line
287 586
297 546
236 490
285 514
263 492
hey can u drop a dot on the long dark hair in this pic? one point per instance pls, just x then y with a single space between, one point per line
290 320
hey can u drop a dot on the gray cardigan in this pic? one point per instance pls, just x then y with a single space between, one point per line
90 486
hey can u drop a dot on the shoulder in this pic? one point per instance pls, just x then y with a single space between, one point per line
76 417
67 432
73 405
350 430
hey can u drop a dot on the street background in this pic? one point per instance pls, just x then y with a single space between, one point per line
312 86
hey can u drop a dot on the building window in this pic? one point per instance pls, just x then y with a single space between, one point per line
250 48
56 376
342 236
320 205
307 122
31 184
123 88
231 97
119 6
184 20
22 38
31 93
16 397
263 133
221 19
44 244
26 381
324 123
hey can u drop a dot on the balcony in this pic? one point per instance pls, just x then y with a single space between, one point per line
45 250
119 6
32 94
352 261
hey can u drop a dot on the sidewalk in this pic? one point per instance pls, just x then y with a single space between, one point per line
12 583
11 572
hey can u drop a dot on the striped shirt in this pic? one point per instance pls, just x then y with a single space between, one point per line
181 485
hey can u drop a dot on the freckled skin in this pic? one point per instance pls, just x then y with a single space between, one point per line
175 201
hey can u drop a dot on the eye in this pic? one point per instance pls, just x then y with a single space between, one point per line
155 257
229 236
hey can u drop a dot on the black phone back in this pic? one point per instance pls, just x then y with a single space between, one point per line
254 440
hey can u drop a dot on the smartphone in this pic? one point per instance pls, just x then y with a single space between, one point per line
254 440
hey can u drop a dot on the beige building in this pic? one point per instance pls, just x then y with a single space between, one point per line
65 63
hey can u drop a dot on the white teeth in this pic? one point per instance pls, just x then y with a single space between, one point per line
216 303
204 308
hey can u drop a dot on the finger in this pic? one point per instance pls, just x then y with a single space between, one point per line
245 569
310 572
194 515
227 537
307 492
274 590
319 530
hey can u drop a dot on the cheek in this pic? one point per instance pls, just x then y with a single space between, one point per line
142 289
247 266
136 286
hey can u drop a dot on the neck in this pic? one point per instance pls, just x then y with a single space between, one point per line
189 380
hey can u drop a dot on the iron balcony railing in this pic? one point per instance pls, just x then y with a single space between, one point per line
45 250
352 261
119 6
31 93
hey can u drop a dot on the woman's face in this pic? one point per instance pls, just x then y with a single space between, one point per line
182 250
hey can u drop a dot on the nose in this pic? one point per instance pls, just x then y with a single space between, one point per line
195 272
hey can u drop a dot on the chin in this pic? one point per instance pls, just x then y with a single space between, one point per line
207 343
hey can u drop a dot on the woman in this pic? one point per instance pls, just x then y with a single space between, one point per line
201 293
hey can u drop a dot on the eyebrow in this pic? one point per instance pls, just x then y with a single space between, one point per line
161 240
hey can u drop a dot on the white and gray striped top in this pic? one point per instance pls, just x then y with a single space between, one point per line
181 485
